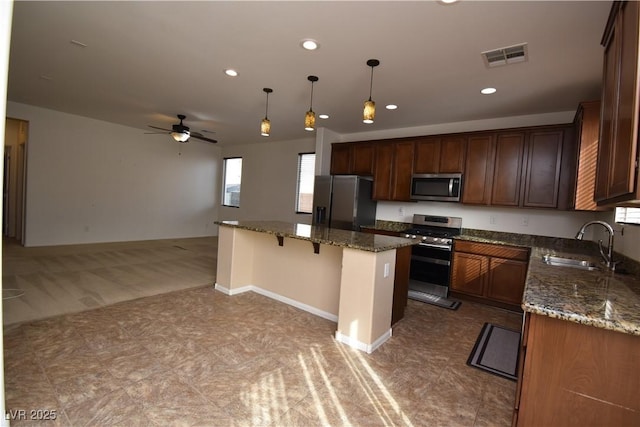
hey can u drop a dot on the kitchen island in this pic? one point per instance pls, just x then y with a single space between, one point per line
341 275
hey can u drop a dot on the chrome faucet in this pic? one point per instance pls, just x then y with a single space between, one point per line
608 257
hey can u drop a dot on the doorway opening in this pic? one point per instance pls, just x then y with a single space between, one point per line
14 180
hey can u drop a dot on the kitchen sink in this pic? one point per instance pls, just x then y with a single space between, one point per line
569 262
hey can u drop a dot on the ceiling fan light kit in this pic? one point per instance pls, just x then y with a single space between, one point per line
181 133
310 116
369 112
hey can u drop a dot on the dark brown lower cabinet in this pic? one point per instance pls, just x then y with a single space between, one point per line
576 375
493 274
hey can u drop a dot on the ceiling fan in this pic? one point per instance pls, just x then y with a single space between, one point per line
181 133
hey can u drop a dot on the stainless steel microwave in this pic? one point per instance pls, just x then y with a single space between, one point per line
436 187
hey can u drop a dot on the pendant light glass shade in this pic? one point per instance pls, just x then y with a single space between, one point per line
369 112
265 125
310 116
310 120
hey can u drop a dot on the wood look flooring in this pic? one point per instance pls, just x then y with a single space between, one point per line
145 340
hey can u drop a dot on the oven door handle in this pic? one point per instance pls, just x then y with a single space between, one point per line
436 246
431 260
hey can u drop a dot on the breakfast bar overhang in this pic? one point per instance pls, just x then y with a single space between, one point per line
344 276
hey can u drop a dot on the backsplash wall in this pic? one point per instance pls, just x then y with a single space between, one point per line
538 222
524 221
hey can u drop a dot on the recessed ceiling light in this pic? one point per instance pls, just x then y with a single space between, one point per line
391 107
46 77
309 44
488 90
323 116
231 72
447 1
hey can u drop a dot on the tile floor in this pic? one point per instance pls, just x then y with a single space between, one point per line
196 357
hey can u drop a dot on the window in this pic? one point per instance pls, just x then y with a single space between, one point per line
304 189
628 215
231 185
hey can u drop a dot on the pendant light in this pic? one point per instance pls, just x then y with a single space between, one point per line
265 125
370 106
310 117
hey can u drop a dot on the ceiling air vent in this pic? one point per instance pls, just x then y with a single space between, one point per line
505 55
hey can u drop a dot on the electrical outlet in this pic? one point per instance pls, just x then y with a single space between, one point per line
401 212
386 269
525 221
492 219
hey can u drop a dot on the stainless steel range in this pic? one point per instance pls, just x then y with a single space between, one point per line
430 271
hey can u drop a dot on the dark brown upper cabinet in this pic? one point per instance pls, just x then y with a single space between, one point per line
617 178
587 130
352 158
440 154
392 170
525 167
507 172
478 173
543 167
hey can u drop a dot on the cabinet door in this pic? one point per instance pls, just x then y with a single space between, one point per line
427 155
340 159
609 97
402 170
542 175
507 172
469 273
506 280
452 154
616 178
362 156
622 173
382 171
478 169
587 124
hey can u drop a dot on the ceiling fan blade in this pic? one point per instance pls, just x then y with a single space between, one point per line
199 136
155 133
156 127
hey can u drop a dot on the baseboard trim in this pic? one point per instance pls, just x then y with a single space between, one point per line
359 345
278 297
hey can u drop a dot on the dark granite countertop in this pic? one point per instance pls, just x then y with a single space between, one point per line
597 298
324 235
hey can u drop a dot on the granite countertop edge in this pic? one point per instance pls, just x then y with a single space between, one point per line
323 235
600 298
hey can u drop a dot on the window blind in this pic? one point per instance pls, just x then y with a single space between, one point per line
304 188
628 215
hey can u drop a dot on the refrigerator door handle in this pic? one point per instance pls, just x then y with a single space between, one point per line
321 214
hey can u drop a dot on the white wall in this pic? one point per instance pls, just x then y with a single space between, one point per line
269 175
539 222
92 181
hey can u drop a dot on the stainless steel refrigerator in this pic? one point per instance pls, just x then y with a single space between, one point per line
343 201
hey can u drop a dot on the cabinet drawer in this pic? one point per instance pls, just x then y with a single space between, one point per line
500 251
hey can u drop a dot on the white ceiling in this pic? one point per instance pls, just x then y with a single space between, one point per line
144 62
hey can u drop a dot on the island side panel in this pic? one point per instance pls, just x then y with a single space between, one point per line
366 298
294 271
235 259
